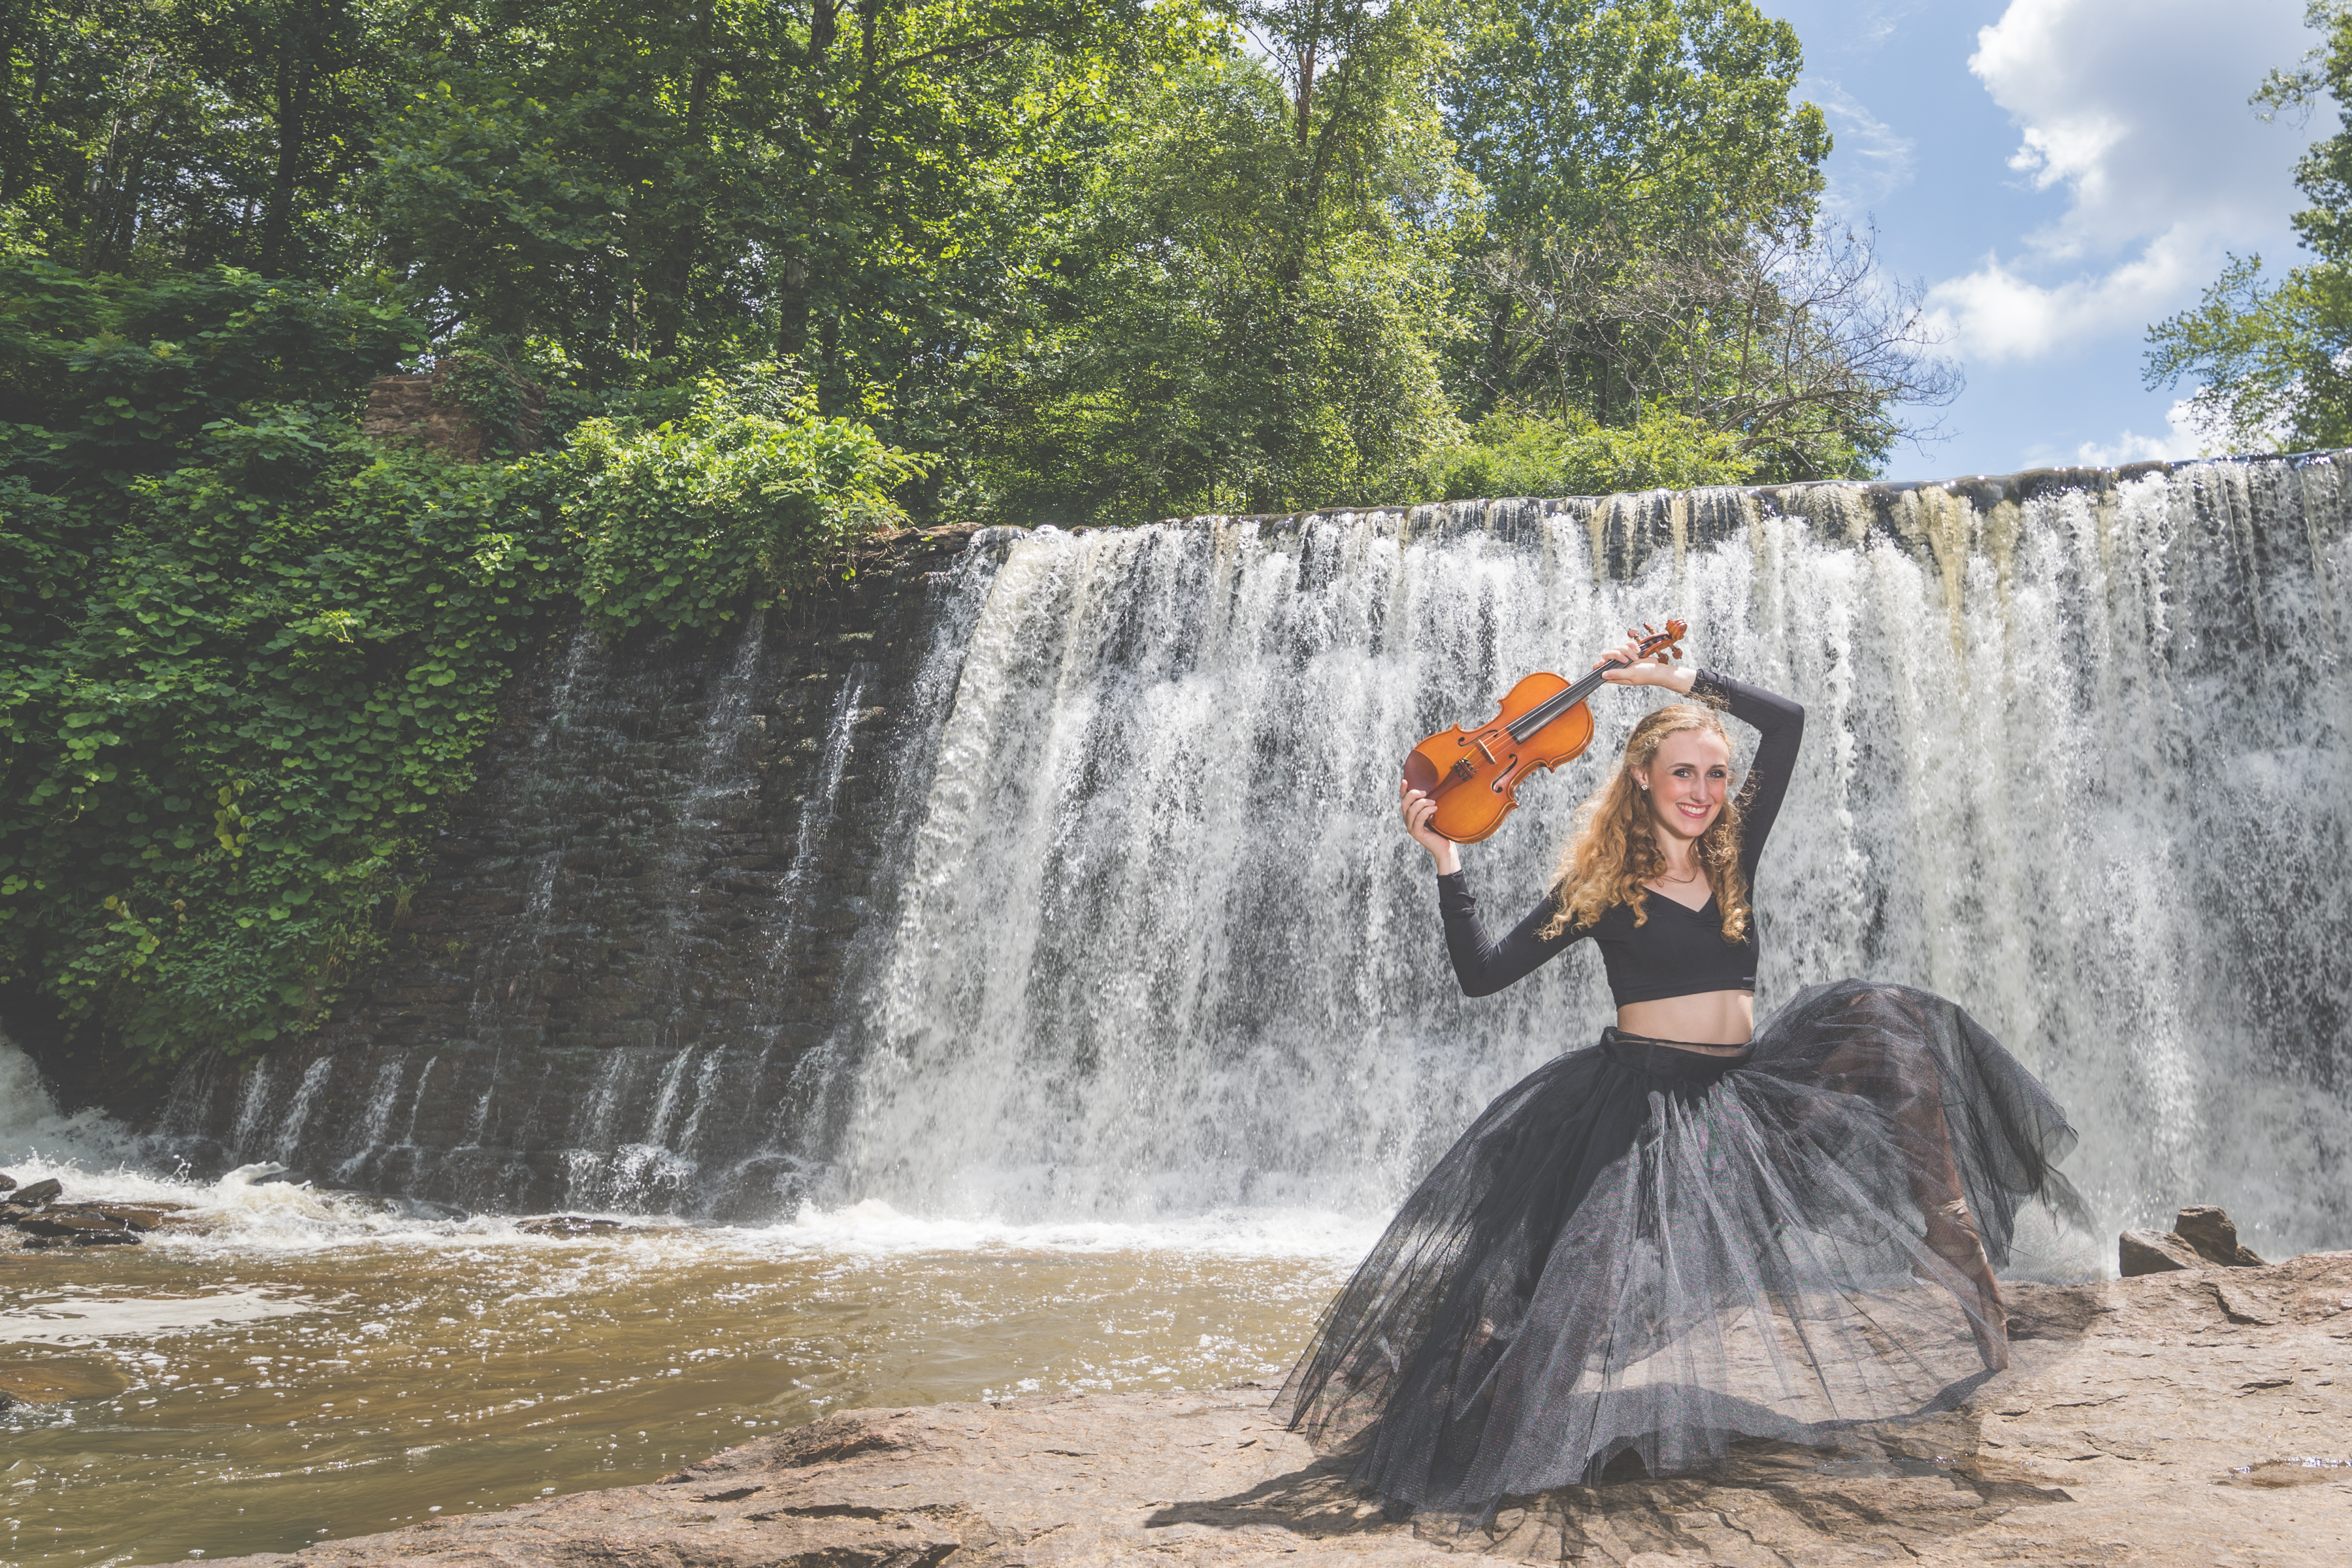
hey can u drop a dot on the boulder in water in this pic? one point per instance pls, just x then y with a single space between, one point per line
7 1184
2141 1252
84 1239
39 1192
575 1225
2214 1235
82 1226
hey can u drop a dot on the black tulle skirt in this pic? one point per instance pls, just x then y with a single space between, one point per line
1649 1249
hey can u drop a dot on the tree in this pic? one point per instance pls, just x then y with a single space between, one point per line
145 134
849 187
1623 123
1791 343
2272 362
1247 313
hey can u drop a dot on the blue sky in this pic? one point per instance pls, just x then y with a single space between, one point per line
2059 174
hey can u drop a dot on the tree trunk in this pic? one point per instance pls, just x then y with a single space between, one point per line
829 398
13 120
1499 310
792 295
792 308
294 71
686 229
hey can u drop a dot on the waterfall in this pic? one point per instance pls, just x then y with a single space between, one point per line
2079 763
1061 877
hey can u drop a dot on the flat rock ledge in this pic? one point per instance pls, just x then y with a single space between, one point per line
2202 1417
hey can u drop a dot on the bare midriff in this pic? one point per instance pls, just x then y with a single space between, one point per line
1719 1022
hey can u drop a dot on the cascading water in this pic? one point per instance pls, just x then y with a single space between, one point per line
2081 766
1089 902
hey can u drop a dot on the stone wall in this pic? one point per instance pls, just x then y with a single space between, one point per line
421 408
632 933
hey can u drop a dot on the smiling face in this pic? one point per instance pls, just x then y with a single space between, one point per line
1689 778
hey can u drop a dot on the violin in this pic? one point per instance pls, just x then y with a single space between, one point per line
1474 774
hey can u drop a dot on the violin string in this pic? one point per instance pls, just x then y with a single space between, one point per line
1532 722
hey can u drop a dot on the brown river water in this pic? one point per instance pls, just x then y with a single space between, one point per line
296 1367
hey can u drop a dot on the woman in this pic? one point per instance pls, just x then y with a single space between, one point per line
1694 1231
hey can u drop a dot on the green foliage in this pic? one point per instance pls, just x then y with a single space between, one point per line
1229 329
141 134
1514 454
216 773
243 668
1653 238
1650 116
124 372
664 190
2272 362
678 525
483 384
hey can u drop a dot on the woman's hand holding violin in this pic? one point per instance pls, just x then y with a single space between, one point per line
1657 669
1418 809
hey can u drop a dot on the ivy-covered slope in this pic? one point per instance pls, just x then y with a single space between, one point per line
246 655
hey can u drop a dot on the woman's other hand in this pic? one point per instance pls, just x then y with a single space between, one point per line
1419 809
1657 669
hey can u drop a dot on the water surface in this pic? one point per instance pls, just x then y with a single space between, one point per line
312 1367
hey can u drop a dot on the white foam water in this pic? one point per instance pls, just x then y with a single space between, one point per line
36 1140
248 1211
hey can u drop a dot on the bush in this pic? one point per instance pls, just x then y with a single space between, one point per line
121 374
751 494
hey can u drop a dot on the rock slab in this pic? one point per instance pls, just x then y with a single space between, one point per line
2176 1419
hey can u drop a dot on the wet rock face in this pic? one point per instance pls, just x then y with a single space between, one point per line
2145 1421
632 932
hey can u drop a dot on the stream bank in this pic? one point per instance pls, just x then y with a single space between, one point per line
2171 1420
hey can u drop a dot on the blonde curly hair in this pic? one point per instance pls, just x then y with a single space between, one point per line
1614 849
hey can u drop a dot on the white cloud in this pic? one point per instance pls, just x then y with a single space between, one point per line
1998 312
1879 22
2135 109
2185 437
1872 163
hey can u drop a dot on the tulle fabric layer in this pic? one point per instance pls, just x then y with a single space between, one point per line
1649 1249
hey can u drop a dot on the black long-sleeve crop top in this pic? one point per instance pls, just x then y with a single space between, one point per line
1677 951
